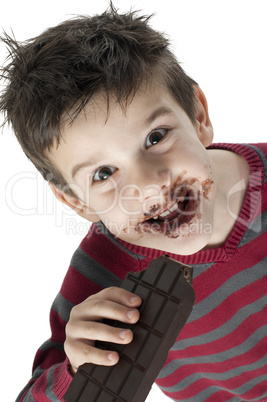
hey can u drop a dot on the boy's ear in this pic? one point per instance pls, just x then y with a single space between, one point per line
204 126
74 203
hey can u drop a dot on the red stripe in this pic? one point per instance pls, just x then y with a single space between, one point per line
62 379
40 385
76 287
47 358
250 357
214 277
112 257
231 340
230 384
222 313
58 324
255 392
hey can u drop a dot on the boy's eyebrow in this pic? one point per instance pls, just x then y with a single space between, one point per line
161 111
82 165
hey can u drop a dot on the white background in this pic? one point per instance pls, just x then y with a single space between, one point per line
222 45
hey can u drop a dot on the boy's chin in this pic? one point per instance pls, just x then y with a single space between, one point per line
182 243
185 234
186 239
179 246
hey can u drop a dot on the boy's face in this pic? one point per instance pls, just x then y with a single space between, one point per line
144 172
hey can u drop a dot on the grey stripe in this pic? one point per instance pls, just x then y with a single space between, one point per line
255 229
188 381
37 373
62 306
200 268
260 398
28 397
235 283
49 345
111 237
50 382
93 270
247 386
263 159
224 329
208 392
217 357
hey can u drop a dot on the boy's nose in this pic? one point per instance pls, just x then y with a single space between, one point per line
144 190
156 189
157 183
150 182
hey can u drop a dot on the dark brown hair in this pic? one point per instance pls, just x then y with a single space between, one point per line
58 72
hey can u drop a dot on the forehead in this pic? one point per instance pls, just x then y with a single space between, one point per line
103 121
104 110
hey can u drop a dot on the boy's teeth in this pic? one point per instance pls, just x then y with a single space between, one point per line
164 214
167 212
174 207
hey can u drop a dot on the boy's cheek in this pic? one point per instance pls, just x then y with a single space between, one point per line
100 202
119 229
119 204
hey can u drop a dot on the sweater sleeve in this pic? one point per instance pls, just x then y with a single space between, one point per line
47 385
90 271
99 262
51 376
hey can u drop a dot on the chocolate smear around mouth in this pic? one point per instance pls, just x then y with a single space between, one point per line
169 224
187 199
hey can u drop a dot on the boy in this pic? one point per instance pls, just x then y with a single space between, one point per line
124 137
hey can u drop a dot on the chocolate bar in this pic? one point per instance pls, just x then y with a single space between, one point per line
167 301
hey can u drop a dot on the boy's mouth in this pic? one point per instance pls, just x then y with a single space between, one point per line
167 220
180 207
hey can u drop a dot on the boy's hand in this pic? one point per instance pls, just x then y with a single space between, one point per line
85 326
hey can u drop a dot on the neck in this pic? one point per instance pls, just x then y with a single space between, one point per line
232 173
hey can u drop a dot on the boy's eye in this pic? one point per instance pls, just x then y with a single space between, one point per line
155 136
103 173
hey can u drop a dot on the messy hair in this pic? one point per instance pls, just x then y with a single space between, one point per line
57 73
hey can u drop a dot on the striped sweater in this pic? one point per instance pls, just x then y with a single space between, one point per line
221 354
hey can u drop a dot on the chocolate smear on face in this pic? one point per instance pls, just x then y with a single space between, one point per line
206 187
187 198
152 210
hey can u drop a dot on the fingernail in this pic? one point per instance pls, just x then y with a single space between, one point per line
134 299
130 314
122 334
112 356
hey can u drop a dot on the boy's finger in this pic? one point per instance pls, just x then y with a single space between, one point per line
118 295
97 309
94 331
80 353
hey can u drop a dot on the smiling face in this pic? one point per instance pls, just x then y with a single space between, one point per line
144 172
